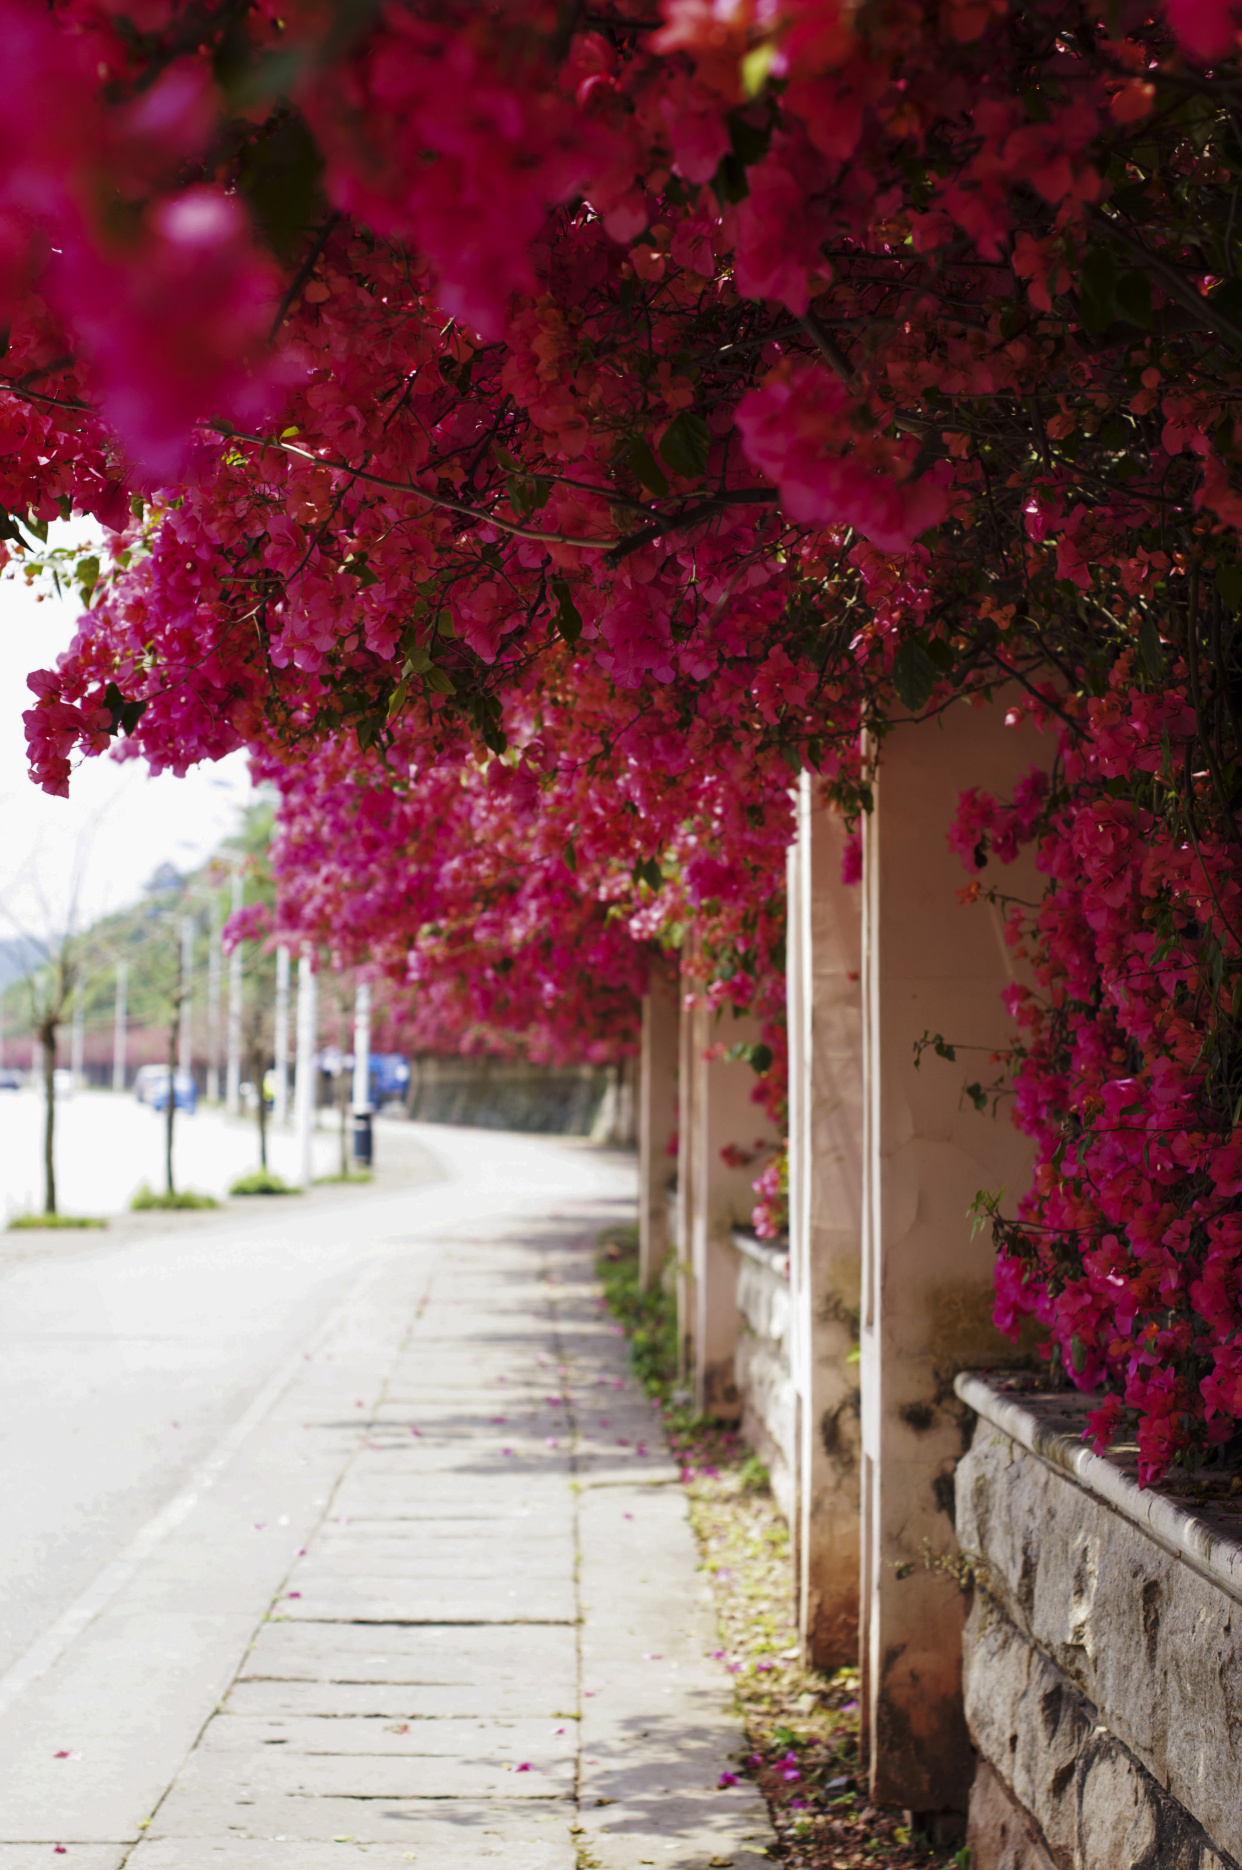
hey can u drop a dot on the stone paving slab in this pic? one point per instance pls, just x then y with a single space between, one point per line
207 1816
539 1741
543 1659
508 1698
224 1775
493 1642
448 1600
76 1856
441 1846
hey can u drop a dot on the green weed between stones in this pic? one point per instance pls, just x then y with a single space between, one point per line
801 1724
24 1223
262 1182
187 1198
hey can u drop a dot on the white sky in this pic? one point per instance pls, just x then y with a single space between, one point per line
118 824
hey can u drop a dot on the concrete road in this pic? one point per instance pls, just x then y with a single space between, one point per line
128 1358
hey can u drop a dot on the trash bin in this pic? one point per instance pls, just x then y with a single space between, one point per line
363 1140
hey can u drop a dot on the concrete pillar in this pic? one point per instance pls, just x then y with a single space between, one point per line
120 1026
929 965
306 1069
825 1226
213 1006
280 1040
232 1073
362 1048
185 1037
714 1195
657 1121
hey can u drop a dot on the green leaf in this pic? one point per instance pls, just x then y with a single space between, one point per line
1133 298
527 494
1229 584
1227 299
396 700
568 617
647 469
440 682
38 527
86 572
729 184
761 1057
570 855
685 443
278 172
756 66
1150 652
65 504
914 675
1078 1354
1097 290
750 141
647 870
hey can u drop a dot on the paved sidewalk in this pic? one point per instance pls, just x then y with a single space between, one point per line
493 1642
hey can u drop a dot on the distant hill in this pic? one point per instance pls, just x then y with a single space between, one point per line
18 955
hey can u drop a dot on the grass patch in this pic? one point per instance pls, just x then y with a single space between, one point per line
28 1223
649 1318
262 1182
801 1724
350 1175
186 1198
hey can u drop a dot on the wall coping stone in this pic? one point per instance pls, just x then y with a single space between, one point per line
769 1254
1051 1425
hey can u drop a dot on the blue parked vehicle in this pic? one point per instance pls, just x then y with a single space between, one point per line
390 1073
151 1087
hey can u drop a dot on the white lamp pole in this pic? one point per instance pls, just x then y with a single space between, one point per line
213 1008
306 1074
232 1090
280 1101
120 1026
185 1036
362 1047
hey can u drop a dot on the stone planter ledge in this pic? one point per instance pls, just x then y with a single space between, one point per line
1207 1536
772 1254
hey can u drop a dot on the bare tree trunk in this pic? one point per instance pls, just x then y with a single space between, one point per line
47 1037
258 1074
170 1113
342 1104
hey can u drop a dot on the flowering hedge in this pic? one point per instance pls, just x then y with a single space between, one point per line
537 433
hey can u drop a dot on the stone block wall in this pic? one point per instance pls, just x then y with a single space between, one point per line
1102 1660
762 1360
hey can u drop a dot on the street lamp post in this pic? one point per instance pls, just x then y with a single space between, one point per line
304 1083
232 1092
185 1038
120 1026
363 1137
280 1037
213 1007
